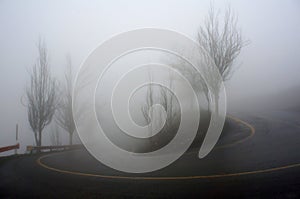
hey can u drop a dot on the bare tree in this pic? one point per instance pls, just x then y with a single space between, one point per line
193 77
55 137
41 94
161 95
146 108
64 116
223 41
167 100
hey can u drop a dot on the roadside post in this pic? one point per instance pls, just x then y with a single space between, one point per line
17 132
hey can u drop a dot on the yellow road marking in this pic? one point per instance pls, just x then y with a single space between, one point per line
175 177
165 178
252 132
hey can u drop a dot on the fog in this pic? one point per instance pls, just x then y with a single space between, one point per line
267 67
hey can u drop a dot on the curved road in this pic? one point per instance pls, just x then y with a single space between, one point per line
258 157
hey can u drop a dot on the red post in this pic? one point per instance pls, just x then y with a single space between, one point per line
17 132
7 148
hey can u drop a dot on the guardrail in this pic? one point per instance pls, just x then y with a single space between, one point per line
34 149
11 147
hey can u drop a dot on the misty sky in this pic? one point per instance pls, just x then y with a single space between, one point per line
270 63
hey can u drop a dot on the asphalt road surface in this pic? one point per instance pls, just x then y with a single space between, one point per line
258 158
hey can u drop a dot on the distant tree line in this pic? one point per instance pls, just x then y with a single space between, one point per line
219 36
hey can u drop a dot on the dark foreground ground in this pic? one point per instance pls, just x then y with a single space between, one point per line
264 163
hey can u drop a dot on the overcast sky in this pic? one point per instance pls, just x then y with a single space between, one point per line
271 62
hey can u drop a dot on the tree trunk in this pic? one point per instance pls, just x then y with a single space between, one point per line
40 138
36 139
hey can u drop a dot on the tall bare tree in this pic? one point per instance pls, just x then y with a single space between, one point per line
222 39
64 116
41 94
160 95
168 101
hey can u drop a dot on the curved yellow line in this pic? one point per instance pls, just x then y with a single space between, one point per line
252 132
175 177
164 178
